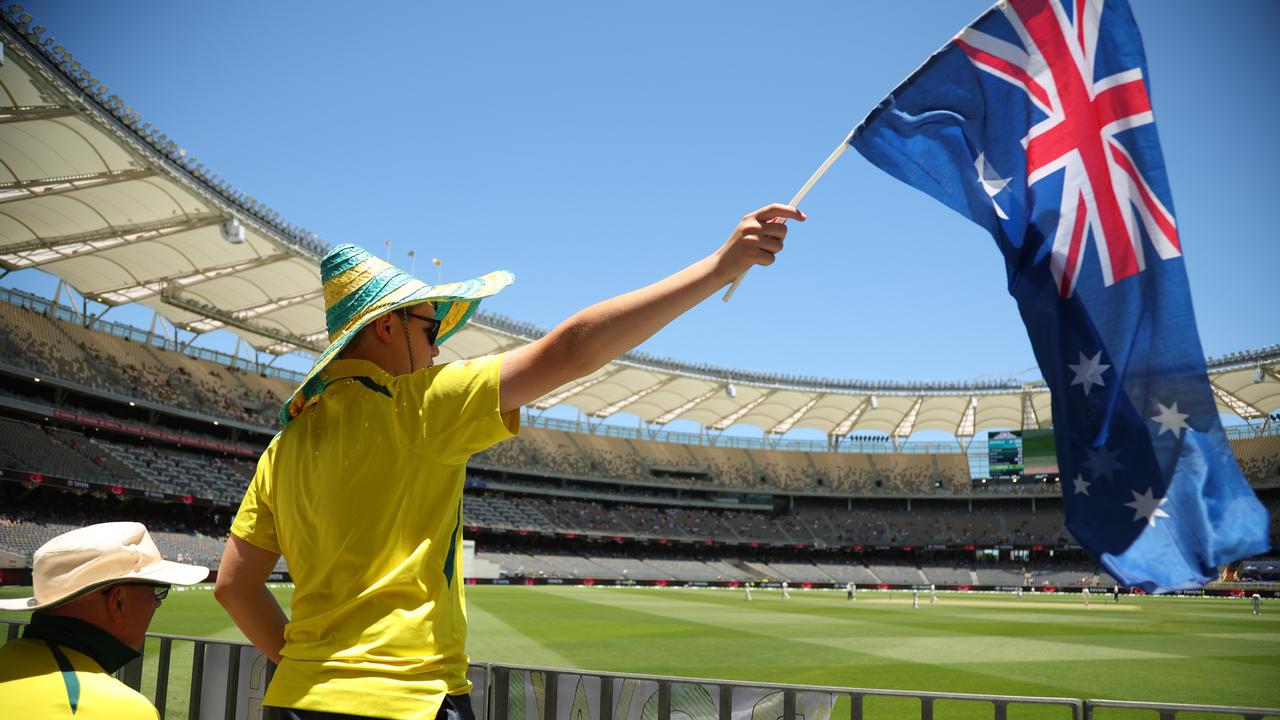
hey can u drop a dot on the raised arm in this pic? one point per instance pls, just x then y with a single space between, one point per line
593 337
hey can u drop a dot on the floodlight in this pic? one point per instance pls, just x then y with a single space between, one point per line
233 231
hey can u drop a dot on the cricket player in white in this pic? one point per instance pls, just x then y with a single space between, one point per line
747 586
852 590
1257 603
786 592
933 594
1019 593
1085 594
915 598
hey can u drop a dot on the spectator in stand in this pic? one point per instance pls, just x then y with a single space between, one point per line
96 590
332 486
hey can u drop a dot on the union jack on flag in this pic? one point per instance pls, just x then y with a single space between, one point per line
1036 123
1103 187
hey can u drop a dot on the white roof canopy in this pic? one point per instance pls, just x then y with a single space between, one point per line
91 193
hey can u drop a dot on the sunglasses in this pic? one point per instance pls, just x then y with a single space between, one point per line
433 325
161 591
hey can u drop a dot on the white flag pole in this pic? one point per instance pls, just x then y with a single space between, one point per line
795 201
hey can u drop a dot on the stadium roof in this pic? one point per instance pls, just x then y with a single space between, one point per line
93 194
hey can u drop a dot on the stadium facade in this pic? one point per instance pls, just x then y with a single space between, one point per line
96 410
100 420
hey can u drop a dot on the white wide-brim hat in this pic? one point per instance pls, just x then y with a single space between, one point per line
82 560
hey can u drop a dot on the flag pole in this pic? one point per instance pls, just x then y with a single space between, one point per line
813 179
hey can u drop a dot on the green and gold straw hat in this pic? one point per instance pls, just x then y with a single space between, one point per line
359 287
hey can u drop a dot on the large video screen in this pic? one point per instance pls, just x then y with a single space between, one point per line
1004 453
1039 454
1021 453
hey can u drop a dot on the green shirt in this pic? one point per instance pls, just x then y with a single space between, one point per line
362 494
61 668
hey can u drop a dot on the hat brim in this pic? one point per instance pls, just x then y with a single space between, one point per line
166 572
463 298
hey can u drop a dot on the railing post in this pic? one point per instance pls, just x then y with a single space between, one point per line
197 680
726 702
788 705
1168 714
606 698
131 673
1002 710
926 708
13 631
162 675
551 684
855 706
233 681
664 700
501 681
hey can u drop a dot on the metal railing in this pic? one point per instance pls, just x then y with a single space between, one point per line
228 680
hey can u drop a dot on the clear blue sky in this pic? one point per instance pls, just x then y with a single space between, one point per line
594 147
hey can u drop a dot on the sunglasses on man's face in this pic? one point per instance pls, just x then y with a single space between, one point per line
161 591
433 326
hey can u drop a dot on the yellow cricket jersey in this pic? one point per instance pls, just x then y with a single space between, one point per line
362 494
44 677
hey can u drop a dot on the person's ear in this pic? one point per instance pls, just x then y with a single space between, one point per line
383 327
117 604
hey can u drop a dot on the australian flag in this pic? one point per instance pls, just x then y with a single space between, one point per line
1035 122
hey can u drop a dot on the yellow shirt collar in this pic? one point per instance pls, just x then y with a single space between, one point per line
339 369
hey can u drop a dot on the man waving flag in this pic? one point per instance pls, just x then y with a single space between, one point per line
1036 123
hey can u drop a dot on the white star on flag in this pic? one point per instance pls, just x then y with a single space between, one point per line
1102 462
1082 485
1147 507
1089 372
991 181
1171 420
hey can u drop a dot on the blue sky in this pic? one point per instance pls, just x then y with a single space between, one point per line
594 147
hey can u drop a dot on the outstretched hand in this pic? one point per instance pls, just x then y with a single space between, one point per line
757 238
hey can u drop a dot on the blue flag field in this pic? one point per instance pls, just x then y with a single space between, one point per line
1036 123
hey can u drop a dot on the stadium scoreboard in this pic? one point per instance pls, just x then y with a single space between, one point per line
1004 453
1018 453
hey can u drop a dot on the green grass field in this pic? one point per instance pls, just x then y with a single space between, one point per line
1195 650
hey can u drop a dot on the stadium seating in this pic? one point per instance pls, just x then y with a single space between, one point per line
99 360
1259 457
549 480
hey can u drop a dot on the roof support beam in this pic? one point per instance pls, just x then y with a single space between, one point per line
611 409
41 112
790 421
677 412
559 397
1029 419
153 286
908 422
44 187
172 297
40 251
728 420
1238 406
964 428
847 424
253 311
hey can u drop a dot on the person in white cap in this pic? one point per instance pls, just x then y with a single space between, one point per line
96 590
